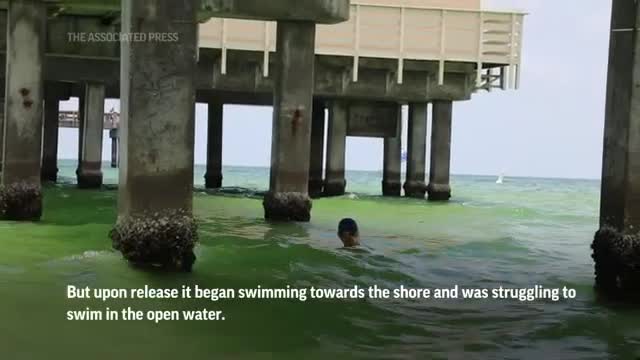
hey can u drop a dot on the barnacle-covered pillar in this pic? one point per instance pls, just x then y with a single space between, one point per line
616 247
288 197
21 196
155 225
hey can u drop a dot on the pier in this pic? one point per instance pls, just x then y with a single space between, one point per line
319 179
358 61
71 120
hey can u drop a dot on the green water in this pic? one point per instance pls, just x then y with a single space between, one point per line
525 232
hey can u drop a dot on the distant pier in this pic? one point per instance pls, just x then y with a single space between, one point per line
71 119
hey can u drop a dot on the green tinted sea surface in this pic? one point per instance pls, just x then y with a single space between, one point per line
522 233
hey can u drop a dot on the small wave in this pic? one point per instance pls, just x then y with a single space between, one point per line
12 270
90 254
77 258
234 191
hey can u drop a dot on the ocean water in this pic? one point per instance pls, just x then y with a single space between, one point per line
522 233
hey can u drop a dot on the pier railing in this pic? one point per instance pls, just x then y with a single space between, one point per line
70 119
489 39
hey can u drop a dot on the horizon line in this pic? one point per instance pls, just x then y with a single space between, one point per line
542 177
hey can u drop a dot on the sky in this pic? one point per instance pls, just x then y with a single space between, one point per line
551 127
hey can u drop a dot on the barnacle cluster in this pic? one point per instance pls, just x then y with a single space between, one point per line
89 180
439 192
391 188
617 262
335 187
289 206
21 201
161 239
414 188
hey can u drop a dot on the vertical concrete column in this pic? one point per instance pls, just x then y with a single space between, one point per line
115 138
288 198
90 170
391 173
155 225
213 176
336 183
415 185
439 175
21 195
2 102
616 247
50 139
81 122
316 166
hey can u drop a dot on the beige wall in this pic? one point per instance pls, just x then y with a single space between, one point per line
392 32
448 4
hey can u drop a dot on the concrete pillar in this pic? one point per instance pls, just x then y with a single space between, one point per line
616 247
21 195
90 170
391 173
288 198
335 183
439 175
155 225
2 102
316 166
115 138
81 122
415 185
213 176
50 139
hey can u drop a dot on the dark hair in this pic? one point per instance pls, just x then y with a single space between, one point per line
347 226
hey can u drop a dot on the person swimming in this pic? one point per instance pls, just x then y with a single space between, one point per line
348 233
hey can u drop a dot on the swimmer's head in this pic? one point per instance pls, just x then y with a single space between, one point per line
348 233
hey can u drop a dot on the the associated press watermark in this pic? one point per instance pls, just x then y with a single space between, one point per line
103 37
